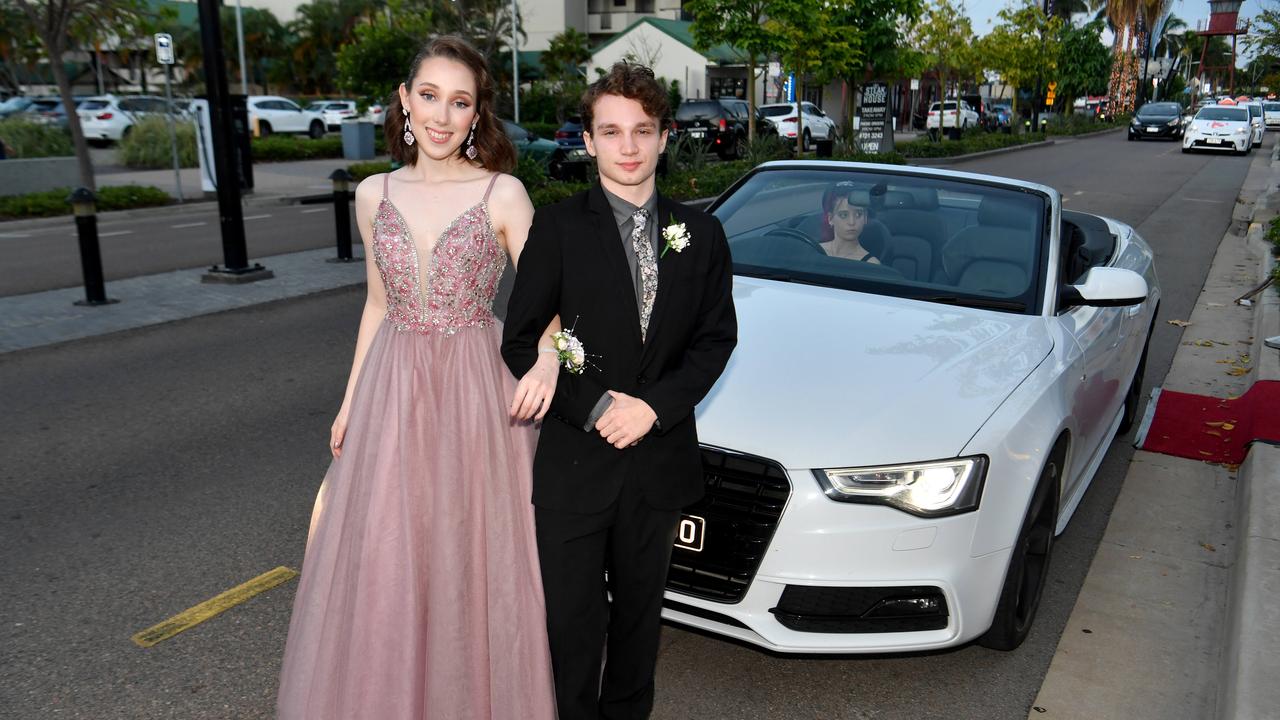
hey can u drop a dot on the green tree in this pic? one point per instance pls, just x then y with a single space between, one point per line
372 66
265 49
1023 47
741 25
316 35
565 54
885 52
18 49
817 43
944 38
1084 63
59 26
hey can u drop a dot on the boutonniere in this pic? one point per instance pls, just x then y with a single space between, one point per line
569 350
677 238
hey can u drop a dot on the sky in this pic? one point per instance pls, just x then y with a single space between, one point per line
983 12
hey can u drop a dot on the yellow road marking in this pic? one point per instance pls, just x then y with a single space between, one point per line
193 616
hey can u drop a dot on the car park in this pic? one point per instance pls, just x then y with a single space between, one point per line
950 118
109 118
270 114
1157 120
562 163
893 447
334 112
786 119
1219 127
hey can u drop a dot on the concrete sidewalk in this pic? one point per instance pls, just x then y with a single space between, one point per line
1179 616
273 183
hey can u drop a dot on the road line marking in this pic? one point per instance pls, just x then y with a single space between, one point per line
1203 200
187 225
15 235
1078 192
312 210
255 217
212 607
106 234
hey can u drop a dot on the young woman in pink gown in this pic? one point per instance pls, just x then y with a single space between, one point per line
420 595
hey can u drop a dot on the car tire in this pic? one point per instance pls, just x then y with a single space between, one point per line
316 131
808 142
739 149
264 128
1133 396
1028 571
1186 150
1131 137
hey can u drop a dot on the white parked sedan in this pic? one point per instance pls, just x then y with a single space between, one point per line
816 125
1271 114
272 114
1219 127
895 444
1256 121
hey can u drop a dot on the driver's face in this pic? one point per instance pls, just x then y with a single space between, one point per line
847 220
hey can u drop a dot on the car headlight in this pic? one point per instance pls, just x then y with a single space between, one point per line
929 489
1242 131
1173 123
1134 122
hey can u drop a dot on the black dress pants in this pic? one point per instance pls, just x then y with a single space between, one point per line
633 542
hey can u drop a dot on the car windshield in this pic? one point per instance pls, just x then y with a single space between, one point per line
1163 110
93 105
1271 107
1223 113
945 240
949 106
697 110
777 110
1254 110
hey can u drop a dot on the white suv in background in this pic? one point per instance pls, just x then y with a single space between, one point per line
334 111
274 114
109 118
946 116
817 126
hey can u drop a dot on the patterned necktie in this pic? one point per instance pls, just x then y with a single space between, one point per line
648 265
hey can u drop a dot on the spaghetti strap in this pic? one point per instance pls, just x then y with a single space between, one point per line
489 189
386 177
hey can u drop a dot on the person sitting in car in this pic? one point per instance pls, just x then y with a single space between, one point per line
847 212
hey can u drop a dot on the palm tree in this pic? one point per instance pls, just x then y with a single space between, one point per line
1121 14
1152 12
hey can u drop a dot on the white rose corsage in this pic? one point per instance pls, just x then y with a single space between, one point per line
677 238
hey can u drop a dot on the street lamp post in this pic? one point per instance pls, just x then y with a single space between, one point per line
244 71
515 66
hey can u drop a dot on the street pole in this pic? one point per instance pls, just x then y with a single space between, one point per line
244 71
515 66
173 136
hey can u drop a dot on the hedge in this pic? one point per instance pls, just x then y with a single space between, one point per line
26 139
147 144
54 202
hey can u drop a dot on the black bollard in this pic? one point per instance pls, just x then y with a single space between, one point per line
95 290
342 214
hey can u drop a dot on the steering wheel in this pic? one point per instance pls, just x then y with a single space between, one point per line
794 235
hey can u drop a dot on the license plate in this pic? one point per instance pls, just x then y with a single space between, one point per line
697 132
1214 141
689 533
1153 129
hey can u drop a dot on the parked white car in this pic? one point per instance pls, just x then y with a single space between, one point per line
273 114
894 446
816 124
1256 121
1219 127
1271 114
334 112
944 115
375 114
109 118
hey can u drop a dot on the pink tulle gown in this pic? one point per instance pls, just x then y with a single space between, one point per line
420 594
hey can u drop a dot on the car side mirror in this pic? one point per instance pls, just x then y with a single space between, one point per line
1105 287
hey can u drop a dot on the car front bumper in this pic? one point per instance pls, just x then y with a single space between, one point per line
1238 143
1162 130
861 559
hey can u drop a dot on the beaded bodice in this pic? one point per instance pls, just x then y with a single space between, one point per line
456 288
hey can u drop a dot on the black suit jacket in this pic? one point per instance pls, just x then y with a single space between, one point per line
574 265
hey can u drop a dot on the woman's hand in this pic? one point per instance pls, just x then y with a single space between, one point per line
535 389
338 433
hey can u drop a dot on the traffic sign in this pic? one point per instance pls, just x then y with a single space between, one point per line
164 48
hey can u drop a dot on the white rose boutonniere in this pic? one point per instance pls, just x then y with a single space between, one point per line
677 238
569 350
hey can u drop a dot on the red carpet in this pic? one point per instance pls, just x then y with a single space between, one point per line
1212 429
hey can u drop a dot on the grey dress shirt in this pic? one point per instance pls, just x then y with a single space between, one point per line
622 214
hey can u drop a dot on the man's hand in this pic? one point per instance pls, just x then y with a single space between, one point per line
626 421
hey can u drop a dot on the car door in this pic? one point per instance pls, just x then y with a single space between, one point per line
293 117
1096 389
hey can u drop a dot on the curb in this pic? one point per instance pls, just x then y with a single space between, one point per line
1247 689
928 162
175 208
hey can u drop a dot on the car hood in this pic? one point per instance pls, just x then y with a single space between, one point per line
830 378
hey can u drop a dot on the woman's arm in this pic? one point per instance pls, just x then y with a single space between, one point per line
368 197
535 389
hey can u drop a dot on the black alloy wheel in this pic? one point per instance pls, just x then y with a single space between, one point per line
316 131
264 128
1029 562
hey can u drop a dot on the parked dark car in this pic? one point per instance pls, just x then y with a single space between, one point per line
562 163
982 106
1001 117
721 124
570 133
1157 120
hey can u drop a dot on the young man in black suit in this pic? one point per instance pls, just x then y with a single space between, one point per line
645 284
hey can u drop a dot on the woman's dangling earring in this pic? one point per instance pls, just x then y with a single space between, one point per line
471 142
408 130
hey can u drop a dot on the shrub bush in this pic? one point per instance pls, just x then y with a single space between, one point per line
54 202
147 144
544 130
285 148
32 140
361 170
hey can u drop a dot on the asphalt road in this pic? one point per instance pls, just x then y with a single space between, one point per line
144 472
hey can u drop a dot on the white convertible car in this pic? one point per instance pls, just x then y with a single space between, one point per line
1219 127
894 445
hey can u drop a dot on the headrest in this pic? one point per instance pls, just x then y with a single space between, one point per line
898 200
925 198
1002 213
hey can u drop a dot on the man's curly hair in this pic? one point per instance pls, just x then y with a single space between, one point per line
628 80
